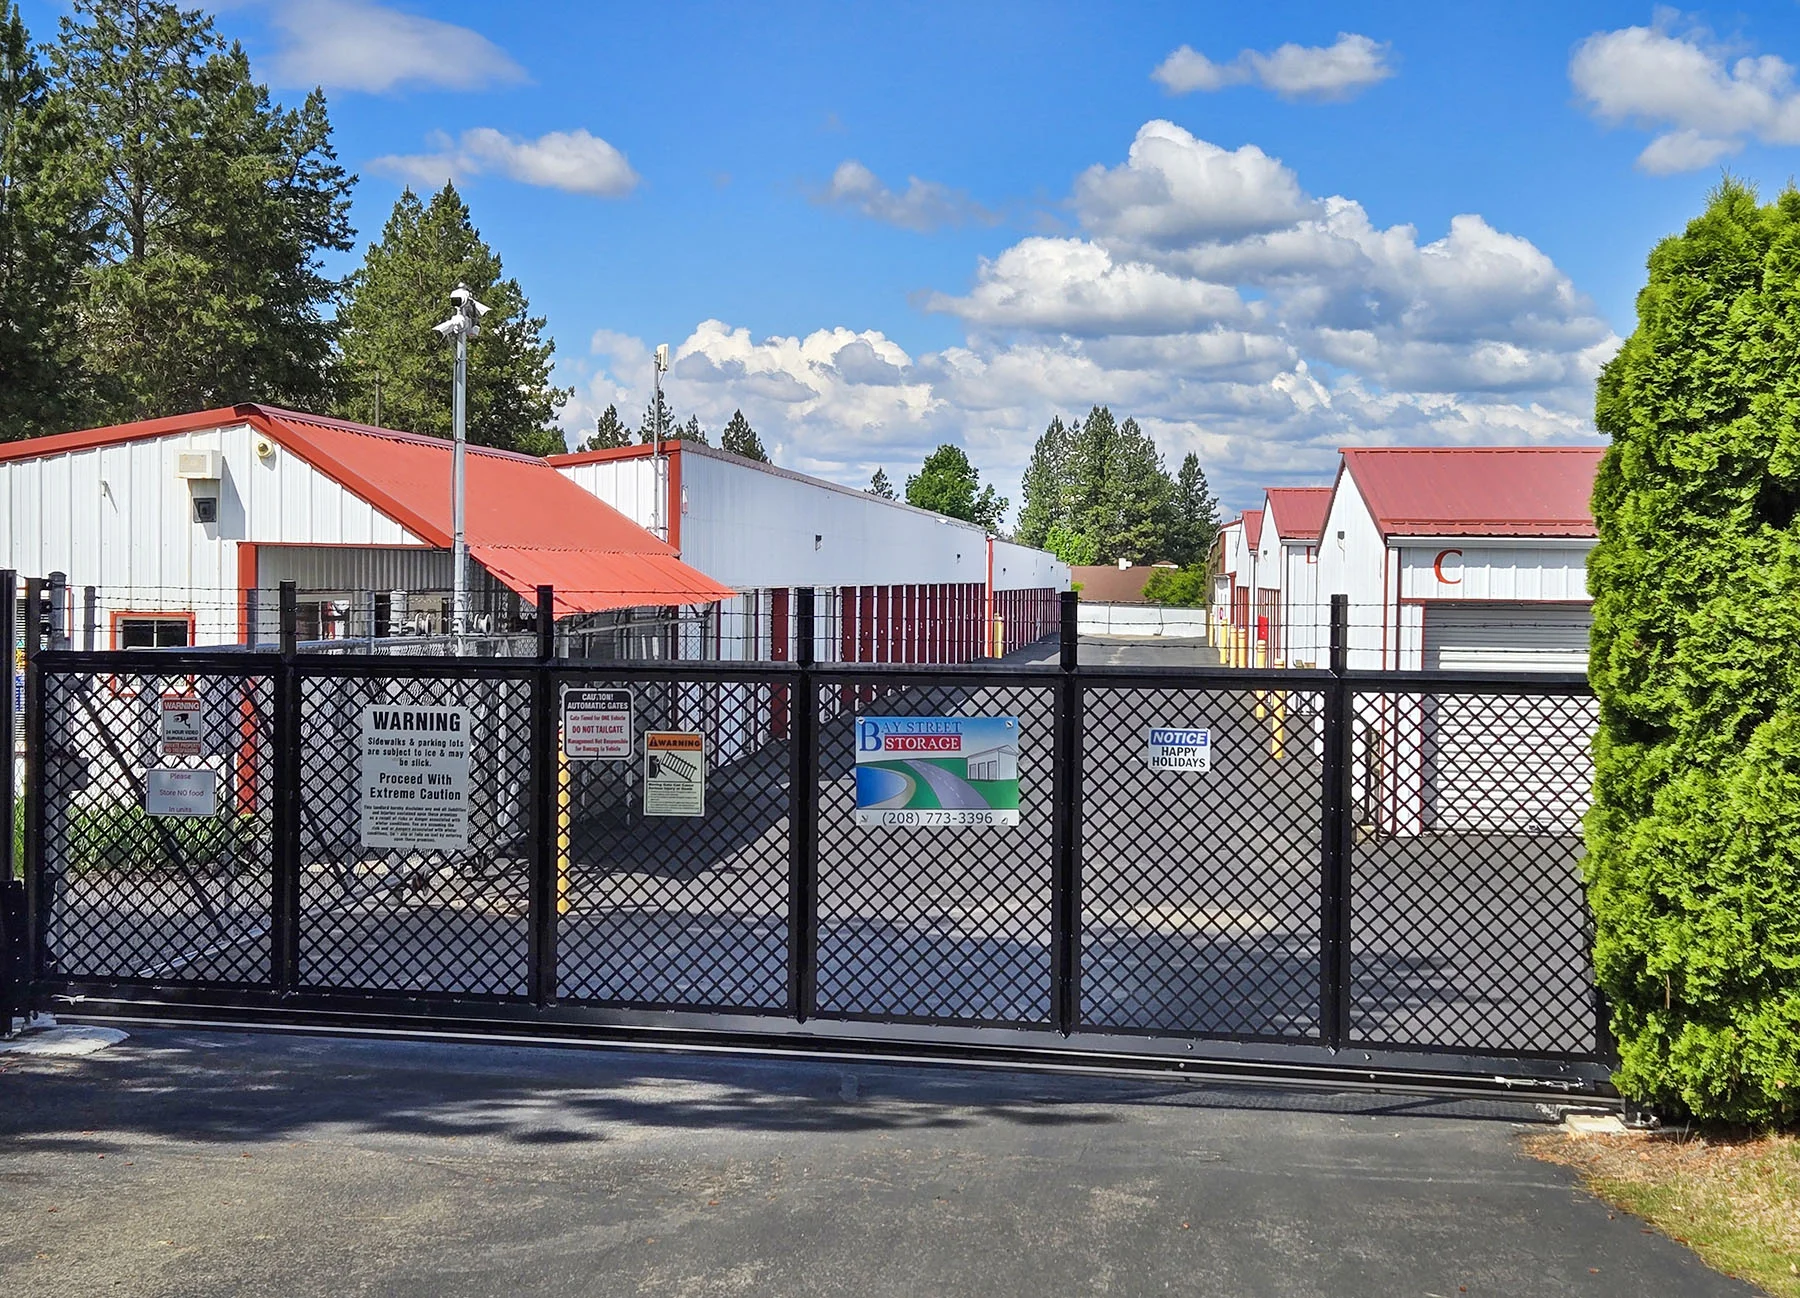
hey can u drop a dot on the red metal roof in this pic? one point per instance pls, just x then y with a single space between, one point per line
1252 521
525 522
1477 490
1299 511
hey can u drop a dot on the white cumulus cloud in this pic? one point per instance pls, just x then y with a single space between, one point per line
1705 100
1205 293
924 205
360 45
573 161
1340 70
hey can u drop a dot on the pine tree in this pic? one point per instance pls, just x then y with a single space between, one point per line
648 426
1196 515
1693 863
880 486
402 290
44 242
1119 494
1045 485
213 210
741 439
610 432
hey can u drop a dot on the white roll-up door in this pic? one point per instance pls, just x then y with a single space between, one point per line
1501 763
1507 637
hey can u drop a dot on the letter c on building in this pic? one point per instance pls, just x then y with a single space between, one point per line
1437 566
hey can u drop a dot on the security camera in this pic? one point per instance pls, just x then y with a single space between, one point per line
459 295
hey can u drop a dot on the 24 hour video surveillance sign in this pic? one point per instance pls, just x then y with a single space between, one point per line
917 771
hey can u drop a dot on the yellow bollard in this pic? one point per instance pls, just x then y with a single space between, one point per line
1278 736
562 831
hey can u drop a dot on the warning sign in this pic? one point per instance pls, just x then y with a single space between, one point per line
415 778
180 725
181 792
674 773
1171 749
596 725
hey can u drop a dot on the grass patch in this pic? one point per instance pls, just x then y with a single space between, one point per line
1734 1200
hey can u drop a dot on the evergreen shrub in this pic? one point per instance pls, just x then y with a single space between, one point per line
1693 864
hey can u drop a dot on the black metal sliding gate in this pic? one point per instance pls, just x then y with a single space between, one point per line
1377 880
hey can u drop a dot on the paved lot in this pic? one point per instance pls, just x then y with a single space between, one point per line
215 1164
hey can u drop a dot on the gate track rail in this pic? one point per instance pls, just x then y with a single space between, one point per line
1415 984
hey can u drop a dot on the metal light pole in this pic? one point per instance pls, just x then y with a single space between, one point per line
461 326
657 474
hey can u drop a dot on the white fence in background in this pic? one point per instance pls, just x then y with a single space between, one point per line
1143 620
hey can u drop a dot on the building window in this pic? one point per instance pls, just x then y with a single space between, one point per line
153 630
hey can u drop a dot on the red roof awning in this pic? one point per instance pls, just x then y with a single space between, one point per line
590 582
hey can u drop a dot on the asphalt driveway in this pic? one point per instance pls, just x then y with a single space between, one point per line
200 1163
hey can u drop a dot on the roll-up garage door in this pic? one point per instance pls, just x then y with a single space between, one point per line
1507 637
1506 764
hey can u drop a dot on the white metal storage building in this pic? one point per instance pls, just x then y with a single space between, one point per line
1470 559
1463 557
896 584
180 530
1292 625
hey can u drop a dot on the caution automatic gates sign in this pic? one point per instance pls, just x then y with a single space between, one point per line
920 771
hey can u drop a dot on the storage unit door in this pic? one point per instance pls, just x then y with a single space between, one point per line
1506 764
1507 637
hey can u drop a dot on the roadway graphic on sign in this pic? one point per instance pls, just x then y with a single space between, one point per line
957 771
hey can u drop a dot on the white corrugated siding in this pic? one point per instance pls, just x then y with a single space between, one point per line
753 528
117 518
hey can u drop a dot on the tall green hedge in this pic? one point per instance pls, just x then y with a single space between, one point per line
1694 837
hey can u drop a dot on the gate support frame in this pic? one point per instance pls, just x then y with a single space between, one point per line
1335 839
803 817
284 928
542 788
1065 879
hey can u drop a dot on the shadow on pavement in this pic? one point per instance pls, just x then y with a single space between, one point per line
254 1087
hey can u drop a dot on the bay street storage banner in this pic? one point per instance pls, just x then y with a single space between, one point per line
961 771
415 778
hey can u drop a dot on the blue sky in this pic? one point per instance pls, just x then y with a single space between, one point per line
878 228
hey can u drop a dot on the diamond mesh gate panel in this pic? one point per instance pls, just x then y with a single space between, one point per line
1201 893
432 921
945 924
677 911
1470 924
133 897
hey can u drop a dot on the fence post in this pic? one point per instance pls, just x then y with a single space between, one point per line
59 611
13 965
542 789
37 896
9 636
1065 879
284 926
90 618
803 785
1336 839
